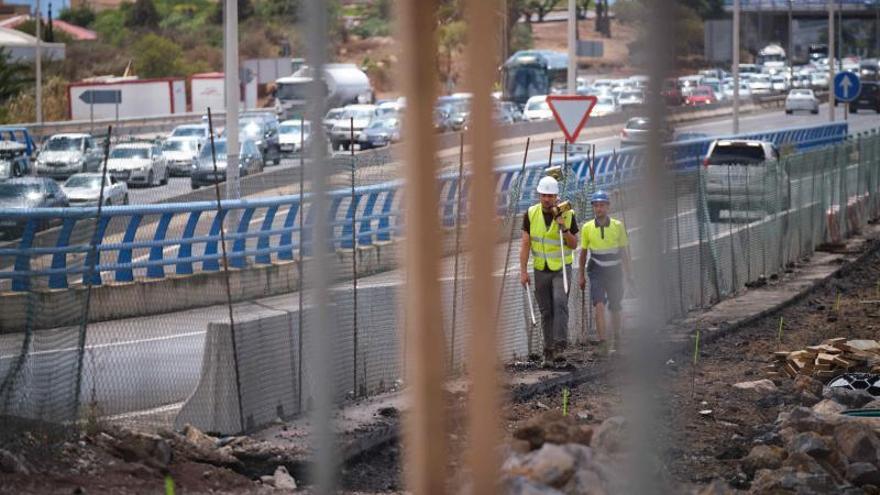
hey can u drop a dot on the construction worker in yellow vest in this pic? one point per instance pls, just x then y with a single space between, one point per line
606 240
540 238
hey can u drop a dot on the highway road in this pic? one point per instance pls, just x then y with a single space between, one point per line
141 363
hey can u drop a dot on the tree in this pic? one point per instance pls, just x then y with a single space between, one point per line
245 11
143 14
13 76
451 39
81 16
582 6
541 7
155 56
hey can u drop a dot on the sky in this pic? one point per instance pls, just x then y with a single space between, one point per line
57 5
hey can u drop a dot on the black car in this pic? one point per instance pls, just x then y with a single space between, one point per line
868 98
28 192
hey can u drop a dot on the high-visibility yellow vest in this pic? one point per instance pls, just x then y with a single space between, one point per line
606 243
545 241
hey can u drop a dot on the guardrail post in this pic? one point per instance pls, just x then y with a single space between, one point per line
124 258
93 259
366 238
157 252
287 236
263 241
23 259
185 251
211 263
384 231
237 259
59 259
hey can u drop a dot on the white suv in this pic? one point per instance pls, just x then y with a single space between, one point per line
744 176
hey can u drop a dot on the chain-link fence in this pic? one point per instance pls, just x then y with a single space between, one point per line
195 312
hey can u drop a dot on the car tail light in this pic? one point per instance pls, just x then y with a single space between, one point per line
623 133
706 162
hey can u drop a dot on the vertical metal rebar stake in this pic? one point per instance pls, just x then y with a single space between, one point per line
512 210
225 260
319 267
453 320
299 263
425 424
89 274
485 398
354 268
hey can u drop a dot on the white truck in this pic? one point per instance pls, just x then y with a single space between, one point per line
345 84
772 59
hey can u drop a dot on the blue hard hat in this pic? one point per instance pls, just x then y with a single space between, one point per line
600 196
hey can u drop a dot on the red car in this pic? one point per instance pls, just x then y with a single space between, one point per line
701 95
672 93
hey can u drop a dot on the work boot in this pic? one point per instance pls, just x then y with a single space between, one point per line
549 358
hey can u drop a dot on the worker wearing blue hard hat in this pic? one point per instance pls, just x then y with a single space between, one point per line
606 241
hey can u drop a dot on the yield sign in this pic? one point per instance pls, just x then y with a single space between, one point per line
571 113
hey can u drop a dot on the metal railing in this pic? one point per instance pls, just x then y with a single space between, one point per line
185 236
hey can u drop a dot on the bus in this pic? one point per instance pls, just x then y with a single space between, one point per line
533 72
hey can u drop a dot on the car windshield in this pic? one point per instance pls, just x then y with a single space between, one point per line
702 92
606 101
142 153
357 114
189 131
638 124
631 94
333 114
383 124
737 154
292 129
292 91
84 181
179 146
9 191
64 144
802 92
219 146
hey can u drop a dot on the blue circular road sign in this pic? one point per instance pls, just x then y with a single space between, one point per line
847 86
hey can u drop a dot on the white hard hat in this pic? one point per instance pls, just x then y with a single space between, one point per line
548 185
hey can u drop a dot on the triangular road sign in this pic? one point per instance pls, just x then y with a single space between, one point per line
571 113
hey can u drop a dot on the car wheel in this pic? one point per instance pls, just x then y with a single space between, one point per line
346 146
714 212
109 202
194 186
814 111
365 146
788 112
151 180
853 109
336 145
125 200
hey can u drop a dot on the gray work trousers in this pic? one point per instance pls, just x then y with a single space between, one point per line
553 303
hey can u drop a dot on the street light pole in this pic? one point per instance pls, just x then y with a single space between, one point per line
735 66
831 64
790 44
233 189
572 47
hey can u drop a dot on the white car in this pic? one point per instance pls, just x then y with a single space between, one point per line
605 105
631 98
537 108
199 131
801 99
347 131
779 84
66 154
84 189
819 80
744 90
743 176
138 163
332 118
292 134
760 84
179 153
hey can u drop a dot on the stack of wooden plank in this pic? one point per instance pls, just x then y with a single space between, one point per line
827 360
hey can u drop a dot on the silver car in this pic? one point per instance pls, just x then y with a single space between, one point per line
801 99
179 153
66 154
744 176
84 189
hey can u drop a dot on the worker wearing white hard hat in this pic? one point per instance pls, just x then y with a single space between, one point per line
542 224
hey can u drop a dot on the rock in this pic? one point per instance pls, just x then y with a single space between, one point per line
531 433
802 463
809 443
586 482
521 446
764 386
874 404
857 442
283 479
553 427
804 383
829 407
550 465
519 485
852 399
763 457
807 399
787 480
717 487
12 464
268 480
863 473
196 437
608 436
583 455
806 419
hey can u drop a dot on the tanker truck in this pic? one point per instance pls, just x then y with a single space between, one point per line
344 84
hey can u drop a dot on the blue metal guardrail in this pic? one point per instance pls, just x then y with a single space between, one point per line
19 135
273 227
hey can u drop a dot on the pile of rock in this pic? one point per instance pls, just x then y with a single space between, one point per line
555 454
818 450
